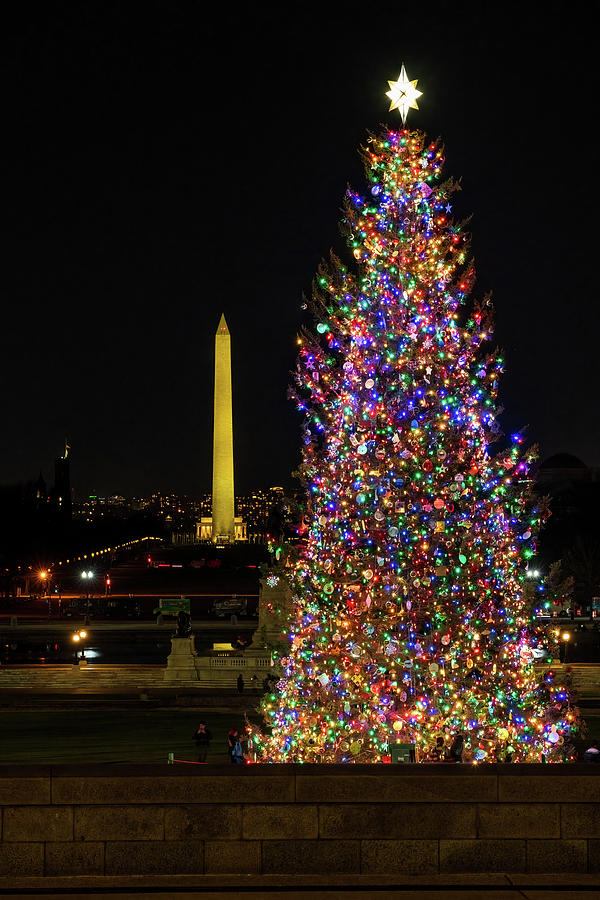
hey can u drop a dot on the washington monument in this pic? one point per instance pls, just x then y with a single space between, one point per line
223 509
224 527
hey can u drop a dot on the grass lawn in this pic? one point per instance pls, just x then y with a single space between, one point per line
111 736
133 736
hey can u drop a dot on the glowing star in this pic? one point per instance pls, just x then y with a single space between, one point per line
403 94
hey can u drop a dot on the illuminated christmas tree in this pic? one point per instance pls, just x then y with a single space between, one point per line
410 621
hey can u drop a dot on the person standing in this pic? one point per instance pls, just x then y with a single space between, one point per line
456 749
240 683
438 753
202 737
234 744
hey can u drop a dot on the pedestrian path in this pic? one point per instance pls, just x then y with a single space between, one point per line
308 887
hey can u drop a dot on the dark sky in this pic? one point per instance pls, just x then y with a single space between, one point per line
163 163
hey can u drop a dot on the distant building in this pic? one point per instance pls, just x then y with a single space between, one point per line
571 534
60 496
563 469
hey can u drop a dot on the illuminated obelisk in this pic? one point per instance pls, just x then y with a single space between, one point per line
223 511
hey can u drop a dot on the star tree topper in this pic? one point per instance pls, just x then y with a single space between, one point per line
403 94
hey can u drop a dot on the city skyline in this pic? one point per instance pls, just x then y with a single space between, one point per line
124 247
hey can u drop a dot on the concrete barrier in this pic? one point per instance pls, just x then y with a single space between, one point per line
333 821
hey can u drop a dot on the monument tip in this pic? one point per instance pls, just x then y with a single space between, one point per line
222 329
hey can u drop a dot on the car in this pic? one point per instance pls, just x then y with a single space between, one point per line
229 606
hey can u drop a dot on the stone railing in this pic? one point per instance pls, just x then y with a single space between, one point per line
335 821
263 661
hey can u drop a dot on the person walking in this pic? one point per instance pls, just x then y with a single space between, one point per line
202 737
240 683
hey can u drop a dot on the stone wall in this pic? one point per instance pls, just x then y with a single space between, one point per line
151 820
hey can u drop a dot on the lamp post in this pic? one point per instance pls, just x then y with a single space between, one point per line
44 577
565 638
87 576
78 637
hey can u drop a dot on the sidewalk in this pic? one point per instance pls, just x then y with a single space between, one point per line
302 887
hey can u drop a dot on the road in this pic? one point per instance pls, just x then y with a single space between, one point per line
50 626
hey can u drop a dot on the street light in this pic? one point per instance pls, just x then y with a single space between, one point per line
566 637
87 576
78 637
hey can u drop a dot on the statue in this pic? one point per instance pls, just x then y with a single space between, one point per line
184 624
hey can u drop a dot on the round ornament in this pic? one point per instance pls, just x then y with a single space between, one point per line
322 520
427 465
362 449
322 328
393 531
445 639
439 504
369 383
368 574
503 734
397 726
355 748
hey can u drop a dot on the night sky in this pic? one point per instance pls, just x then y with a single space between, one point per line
163 163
